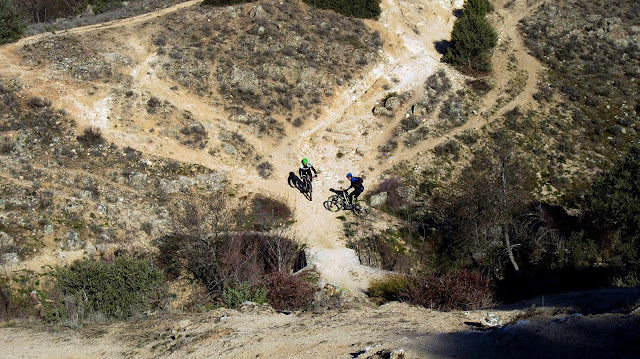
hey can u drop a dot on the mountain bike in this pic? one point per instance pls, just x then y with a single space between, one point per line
339 201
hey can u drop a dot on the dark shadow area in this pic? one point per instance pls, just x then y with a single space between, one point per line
588 302
442 46
295 182
457 12
515 288
573 336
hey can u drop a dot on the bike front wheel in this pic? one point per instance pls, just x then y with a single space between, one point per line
332 203
361 208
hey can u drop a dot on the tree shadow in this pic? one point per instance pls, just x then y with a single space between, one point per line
458 12
442 46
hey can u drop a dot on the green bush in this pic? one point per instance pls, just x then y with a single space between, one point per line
472 40
238 293
11 23
365 9
118 290
389 289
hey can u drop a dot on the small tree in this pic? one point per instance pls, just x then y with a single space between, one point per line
472 40
11 23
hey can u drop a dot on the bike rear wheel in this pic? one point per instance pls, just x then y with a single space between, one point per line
361 208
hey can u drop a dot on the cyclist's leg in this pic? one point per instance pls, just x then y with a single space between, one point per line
354 195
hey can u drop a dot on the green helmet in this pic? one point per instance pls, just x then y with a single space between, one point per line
305 161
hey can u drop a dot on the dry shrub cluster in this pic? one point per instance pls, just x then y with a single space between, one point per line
456 290
210 246
286 291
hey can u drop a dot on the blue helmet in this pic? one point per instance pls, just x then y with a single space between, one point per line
349 175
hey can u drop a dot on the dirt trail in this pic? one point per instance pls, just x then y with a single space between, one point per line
344 139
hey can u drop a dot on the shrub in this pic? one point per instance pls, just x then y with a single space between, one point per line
265 169
366 9
204 246
237 293
288 292
459 289
117 290
389 289
91 136
268 212
11 24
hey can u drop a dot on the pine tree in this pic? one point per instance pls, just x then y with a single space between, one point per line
11 23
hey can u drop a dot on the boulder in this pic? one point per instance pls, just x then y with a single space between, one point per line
379 199
392 103
5 239
10 258
72 241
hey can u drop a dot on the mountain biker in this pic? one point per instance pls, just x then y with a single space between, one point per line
356 184
306 168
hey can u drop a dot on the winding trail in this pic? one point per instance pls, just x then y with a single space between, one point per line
345 137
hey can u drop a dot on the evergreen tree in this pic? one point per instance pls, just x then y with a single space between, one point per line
11 23
614 198
472 40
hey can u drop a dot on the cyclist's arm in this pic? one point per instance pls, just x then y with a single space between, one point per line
314 170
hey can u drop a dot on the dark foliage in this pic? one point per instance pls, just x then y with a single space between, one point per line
91 136
288 292
614 199
366 9
11 24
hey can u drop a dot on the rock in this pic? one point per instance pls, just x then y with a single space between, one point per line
229 149
397 354
257 12
5 239
492 320
392 103
255 308
137 180
10 258
90 248
408 193
379 199
72 241
381 110
211 182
